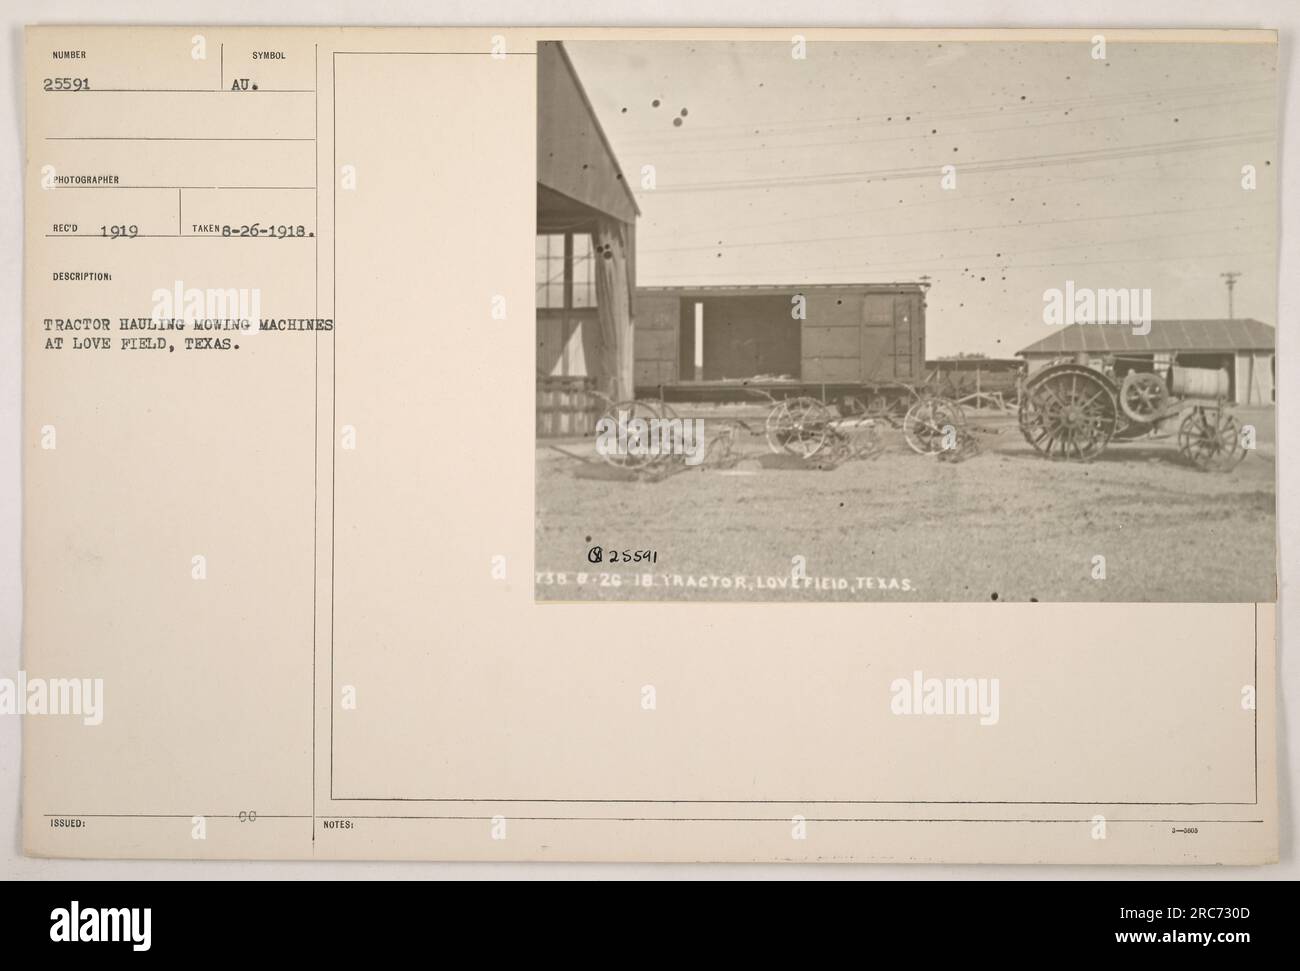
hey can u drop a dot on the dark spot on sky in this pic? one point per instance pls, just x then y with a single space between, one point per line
655 103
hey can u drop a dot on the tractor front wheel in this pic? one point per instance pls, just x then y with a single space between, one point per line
1210 439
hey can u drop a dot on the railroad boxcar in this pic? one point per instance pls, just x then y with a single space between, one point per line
707 343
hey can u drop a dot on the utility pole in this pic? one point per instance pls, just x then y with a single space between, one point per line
1230 278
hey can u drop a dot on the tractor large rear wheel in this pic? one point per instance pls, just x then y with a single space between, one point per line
1069 413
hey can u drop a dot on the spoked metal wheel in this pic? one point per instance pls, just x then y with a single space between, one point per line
632 426
862 439
1068 413
672 435
800 426
931 424
1210 438
721 452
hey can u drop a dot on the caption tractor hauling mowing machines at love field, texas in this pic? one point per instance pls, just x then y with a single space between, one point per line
1070 410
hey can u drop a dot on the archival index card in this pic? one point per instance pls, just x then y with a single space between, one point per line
650 445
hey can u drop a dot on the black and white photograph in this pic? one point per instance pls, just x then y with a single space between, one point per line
929 321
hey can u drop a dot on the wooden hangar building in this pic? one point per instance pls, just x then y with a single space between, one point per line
586 248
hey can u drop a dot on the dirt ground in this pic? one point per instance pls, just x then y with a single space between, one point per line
1004 525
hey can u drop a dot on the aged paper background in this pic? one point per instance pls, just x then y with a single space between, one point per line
475 701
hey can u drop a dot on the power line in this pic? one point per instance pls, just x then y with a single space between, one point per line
660 152
992 109
949 199
1009 262
991 165
989 109
942 269
952 229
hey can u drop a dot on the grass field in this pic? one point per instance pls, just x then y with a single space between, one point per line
1005 525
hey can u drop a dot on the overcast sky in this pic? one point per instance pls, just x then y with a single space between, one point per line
1125 172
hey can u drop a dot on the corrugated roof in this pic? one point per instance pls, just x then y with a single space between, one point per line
1165 335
